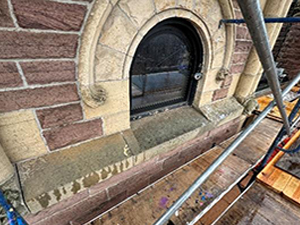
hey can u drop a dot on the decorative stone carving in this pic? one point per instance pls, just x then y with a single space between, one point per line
94 95
249 106
222 74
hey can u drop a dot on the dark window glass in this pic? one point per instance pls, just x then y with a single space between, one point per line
163 66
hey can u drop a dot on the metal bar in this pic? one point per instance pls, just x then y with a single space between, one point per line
203 177
255 22
267 20
295 122
279 137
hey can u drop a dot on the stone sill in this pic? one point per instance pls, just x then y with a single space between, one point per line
57 176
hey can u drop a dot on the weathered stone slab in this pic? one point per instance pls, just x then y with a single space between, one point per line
9 75
15 45
222 111
41 14
30 98
152 131
48 72
20 136
57 176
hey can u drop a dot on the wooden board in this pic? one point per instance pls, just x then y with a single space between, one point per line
279 180
261 206
264 102
290 163
146 207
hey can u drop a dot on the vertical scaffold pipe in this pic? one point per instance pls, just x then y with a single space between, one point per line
255 22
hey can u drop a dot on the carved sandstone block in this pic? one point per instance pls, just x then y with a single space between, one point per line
20 136
108 64
118 31
139 11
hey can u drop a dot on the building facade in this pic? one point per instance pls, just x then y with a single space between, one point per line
72 143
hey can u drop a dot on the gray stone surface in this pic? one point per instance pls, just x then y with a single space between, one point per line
66 167
222 111
155 130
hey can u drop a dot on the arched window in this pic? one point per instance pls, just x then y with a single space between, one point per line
163 69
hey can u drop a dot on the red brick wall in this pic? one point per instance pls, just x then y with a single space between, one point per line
242 48
287 47
39 41
289 55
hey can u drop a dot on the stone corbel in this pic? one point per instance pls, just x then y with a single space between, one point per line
93 95
250 105
222 74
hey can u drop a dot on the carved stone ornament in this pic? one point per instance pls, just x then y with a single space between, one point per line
250 105
93 95
223 72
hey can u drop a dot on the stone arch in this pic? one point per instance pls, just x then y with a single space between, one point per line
114 30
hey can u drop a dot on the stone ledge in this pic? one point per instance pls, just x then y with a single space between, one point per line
57 176
222 111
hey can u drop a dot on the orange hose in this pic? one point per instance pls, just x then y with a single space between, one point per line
286 147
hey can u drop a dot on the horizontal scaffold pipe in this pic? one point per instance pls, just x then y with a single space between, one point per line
267 20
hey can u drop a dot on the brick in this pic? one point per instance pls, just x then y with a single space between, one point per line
48 72
242 46
40 14
236 69
225 131
133 184
5 18
172 163
220 94
201 145
14 45
83 217
38 97
60 115
157 172
74 133
242 33
9 75
239 58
